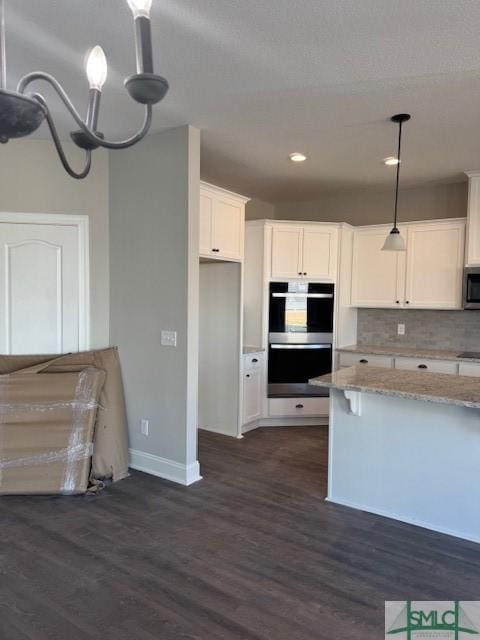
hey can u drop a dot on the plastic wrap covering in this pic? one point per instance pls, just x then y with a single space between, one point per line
110 454
47 425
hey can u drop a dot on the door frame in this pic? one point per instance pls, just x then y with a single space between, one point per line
81 224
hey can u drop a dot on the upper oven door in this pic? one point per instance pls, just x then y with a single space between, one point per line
301 308
471 288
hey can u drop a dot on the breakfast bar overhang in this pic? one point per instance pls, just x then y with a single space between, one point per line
406 445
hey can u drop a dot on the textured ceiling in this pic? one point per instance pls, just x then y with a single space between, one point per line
262 78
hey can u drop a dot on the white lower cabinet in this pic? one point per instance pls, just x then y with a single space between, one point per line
469 369
434 366
351 359
297 407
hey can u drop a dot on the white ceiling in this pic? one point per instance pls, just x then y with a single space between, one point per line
262 78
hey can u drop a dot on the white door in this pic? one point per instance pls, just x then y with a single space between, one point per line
43 286
286 251
206 212
435 256
320 252
377 276
227 228
252 395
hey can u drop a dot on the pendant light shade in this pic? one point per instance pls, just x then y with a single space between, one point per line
394 241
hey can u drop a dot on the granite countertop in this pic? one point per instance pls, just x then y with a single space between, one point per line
408 352
247 350
443 388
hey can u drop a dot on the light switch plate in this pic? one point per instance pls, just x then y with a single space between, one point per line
401 329
169 339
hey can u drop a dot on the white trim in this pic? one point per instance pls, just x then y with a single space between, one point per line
212 187
354 399
413 521
81 222
164 468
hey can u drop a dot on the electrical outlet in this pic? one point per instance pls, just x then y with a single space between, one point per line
169 338
401 329
144 427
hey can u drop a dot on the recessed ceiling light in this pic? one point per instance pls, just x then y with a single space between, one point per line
297 157
391 161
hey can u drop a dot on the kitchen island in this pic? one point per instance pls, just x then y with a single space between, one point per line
406 445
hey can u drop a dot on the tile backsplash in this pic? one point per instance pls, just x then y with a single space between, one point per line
456 330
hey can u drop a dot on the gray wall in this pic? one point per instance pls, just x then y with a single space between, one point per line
457 330
154 194
33 181
370 206
259 210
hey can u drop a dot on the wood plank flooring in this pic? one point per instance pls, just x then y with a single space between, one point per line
250 553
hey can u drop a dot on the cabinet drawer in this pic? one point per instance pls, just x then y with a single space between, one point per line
252 361
292 407
435 366
350 359
469 369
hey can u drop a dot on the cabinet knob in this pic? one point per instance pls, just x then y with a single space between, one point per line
407 302
248 375
305 273
363 361
216 250
299 406
299 273
254 359
398 301
422 366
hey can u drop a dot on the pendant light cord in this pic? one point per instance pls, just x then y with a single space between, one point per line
398 170
3 47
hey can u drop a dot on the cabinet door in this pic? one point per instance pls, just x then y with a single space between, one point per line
320 247
206 212
286 251
435 255
377 276
252 395
228 222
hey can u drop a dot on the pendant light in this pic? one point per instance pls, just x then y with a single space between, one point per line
22 113
394 241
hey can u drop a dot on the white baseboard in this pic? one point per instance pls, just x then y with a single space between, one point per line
293 422
394 516
164 468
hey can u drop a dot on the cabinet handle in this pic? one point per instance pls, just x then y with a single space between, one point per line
363 361
254 359
299 406
422 366
216 250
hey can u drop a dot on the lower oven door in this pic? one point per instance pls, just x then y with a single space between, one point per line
298 363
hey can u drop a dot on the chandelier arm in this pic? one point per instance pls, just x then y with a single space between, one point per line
98 141
58 145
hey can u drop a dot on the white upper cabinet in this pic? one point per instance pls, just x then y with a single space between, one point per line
472 258
427 276
222 223
435 258
286 251
320 250
377 276
306 251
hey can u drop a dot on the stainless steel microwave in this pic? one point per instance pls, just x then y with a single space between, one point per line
471 288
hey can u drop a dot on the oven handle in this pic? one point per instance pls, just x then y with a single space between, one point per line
303 295
300 346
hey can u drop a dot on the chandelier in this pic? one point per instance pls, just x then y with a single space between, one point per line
21 113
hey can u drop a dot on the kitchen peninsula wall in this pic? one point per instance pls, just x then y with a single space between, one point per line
456 330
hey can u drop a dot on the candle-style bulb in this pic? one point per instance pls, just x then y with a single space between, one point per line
140 8
97 68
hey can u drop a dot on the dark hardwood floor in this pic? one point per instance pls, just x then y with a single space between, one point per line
251 552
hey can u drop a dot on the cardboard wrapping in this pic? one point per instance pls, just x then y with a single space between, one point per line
47 424
110 450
